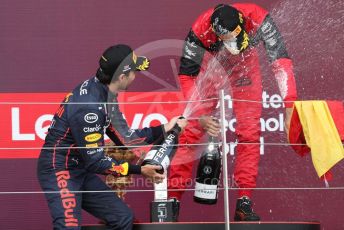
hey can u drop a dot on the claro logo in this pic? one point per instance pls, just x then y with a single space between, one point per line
91 118
92 129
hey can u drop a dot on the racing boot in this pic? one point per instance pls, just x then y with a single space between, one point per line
244 211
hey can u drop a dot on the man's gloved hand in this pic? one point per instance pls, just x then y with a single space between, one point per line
209 124
150 172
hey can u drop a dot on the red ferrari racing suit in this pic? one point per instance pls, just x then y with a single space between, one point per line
245 82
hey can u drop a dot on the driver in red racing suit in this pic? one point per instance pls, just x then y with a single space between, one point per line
244 25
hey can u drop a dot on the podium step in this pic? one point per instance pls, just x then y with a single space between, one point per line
220 226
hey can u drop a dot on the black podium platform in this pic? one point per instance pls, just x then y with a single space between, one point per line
220 226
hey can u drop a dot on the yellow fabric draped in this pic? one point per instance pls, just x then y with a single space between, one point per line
321 134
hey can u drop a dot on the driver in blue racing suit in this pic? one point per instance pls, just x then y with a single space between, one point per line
73 151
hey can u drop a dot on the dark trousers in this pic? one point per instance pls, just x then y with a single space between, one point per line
65 200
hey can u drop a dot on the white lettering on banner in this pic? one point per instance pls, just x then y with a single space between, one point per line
31 126
229 101
275 100
231 125
152 117
16 135
146 122
41 130
271 124
136 121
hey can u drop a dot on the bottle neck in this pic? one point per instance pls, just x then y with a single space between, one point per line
176 129
211 145
212 139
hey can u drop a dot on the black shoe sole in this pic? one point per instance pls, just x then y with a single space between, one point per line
238 218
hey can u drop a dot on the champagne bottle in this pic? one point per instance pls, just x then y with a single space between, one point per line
208 174
161 209
163 153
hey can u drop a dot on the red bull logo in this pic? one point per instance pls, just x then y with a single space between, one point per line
67 198
121 169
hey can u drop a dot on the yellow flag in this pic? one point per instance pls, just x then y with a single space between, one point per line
321 134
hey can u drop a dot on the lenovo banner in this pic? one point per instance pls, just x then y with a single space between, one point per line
26 117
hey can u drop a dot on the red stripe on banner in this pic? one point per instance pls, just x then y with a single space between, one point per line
25 117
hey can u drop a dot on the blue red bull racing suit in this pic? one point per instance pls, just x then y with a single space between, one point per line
72 155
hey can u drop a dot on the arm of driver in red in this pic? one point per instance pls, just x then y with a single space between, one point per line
282 65
284 74
192 56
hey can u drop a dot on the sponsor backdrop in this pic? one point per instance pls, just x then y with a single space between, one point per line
48 47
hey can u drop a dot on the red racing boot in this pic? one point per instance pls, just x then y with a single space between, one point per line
244 211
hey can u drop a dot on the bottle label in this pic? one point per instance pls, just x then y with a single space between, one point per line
205 191
160 190
164 162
